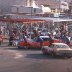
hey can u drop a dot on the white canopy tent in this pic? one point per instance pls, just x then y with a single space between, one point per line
55 19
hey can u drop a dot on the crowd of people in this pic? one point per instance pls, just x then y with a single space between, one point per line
36 35
14 34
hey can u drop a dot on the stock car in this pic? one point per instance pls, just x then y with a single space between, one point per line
58 49
29 43
32 43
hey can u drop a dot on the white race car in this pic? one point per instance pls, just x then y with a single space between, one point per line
58 49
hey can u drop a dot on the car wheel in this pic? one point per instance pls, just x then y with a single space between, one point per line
27 46
19 47
69 56
53 54
66 56
44 52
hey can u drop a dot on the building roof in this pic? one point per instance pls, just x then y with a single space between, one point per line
54 19
50 3
6 5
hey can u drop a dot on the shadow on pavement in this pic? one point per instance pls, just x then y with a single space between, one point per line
15 48
35 54
42 57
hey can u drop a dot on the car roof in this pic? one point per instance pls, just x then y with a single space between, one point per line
44 36
59 43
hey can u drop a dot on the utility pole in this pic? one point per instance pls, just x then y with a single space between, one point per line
29 2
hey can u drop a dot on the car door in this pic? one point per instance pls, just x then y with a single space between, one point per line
50 49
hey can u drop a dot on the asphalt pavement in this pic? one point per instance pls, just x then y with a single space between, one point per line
32 60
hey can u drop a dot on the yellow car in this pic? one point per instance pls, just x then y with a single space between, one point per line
58 49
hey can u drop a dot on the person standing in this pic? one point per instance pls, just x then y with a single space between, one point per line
38 38
1 37
11 38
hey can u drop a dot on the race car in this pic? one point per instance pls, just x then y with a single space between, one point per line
32 43
29 43
58 49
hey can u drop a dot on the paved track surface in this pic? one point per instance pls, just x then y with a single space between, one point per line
14 60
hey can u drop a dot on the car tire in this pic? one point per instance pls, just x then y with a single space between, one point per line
44 52
53 54
69 56
19 47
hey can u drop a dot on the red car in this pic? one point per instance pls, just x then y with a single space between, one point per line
31 43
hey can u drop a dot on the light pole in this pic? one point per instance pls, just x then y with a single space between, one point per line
31 12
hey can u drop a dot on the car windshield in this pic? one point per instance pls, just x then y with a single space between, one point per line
61 46
46 39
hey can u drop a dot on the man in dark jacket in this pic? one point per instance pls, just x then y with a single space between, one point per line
11 38
40 40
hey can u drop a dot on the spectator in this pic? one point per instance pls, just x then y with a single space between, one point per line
0 32
11 38
1 39
35 33
40 40
50 39
65 39
71 41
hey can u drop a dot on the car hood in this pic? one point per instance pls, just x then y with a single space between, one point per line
64 49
